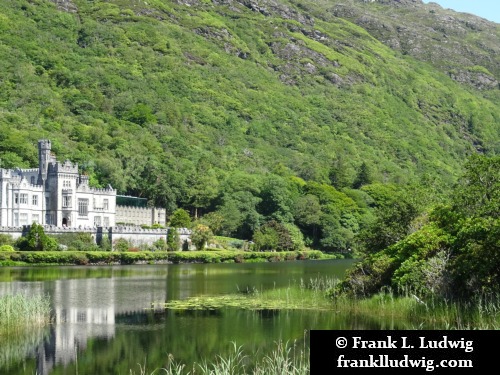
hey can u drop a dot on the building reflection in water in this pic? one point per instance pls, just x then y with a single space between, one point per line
83 309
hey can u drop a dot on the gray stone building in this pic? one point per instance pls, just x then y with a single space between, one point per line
53 194
56 194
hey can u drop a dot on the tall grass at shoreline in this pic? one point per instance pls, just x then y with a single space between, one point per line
284 359
20 313
411 312
402 310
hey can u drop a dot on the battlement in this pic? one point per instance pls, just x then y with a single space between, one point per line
134 208
29 170
107 190
67 198
66 167
19 182
134 229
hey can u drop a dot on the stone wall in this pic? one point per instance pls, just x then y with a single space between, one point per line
135 235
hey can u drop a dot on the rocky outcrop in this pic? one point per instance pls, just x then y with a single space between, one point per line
446 39
66 5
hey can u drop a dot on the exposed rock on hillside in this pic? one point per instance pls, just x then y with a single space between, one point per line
451 41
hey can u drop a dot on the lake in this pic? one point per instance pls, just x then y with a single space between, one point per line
110 319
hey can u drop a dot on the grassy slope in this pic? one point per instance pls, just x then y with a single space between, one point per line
238 88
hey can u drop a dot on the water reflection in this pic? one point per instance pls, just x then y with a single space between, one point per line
113 316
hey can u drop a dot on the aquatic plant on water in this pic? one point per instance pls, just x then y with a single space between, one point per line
403 309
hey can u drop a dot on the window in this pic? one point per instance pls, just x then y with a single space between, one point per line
106 204
83 207
66 201
35 218
23 219
34 200
23 199
32 180
106 221
16 198
16 219
97 221
66 184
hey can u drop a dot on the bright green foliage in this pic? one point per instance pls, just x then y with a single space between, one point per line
307 212
77 241
140 114
338 175
478 192
217 108
266 238
180 219
200 235
6 239
160 245
277 200
6 248
296 236
36 240
121 245
276 236
363 177
173 240
214 220
203 187
456 253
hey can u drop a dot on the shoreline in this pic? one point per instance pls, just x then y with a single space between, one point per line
107 258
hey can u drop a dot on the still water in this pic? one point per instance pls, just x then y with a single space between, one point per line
108 320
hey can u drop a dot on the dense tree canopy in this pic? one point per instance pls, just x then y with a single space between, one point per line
241 117
456 251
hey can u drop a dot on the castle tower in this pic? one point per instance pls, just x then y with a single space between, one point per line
44 158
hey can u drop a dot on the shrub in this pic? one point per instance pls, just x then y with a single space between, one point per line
200 235
6 239
274 236
6 248
121 244
180 219
160 245
173 240
80 241
36 240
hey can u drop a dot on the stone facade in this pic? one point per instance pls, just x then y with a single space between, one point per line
128 215
53 194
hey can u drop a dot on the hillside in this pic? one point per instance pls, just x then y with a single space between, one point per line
177 100
463 46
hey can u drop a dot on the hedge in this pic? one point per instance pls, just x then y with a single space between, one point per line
105 257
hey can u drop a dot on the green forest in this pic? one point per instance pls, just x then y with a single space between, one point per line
290 123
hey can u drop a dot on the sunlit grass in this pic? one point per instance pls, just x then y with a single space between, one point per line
19 313
404 309
302 295
481 312
284 359
22 320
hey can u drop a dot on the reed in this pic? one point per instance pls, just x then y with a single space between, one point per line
284 359
20 313
411 312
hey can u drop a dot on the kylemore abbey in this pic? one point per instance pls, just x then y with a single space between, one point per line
56 194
